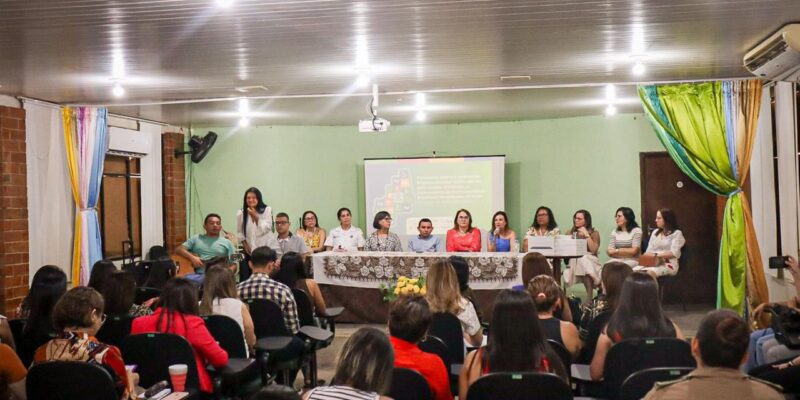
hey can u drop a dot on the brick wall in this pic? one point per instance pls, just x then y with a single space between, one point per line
174 180
13 210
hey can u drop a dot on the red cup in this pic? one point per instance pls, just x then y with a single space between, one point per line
177 375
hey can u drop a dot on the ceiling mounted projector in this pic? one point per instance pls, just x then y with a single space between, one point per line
199 147
778 57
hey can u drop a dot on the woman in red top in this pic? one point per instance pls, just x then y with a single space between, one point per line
516 343
177 313
463 237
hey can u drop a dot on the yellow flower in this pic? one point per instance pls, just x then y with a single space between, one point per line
402 279
415 289
401 284
404 290
423 291
413 281
397 290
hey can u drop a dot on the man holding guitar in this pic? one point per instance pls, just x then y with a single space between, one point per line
200 248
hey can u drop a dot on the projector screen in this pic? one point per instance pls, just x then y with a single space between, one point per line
434 188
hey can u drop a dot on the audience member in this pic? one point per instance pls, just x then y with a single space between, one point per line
544 224
501 237
292 273
6 336
720 349
161 270
425 242
409 318
286 241
444 296
78 316
48 285
345 237
177 312
547 296
12 374
638 315
100 271
382 239
312 234
254 222
533 265
664 246
516 343
463 236
223 262
462 272
364 369
119 293
626 238
261 286
220 298
600 310
585 269
202 247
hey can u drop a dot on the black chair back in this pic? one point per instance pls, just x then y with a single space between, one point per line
447 327
276 392
516 386
68 380
267 318
639 383
116 328
408 384
153 353
563 354
629 356
146 293
228 334
305 309
26 345
434 345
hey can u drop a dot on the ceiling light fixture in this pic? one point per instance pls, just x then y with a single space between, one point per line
420 116
420 99
244 106
638 68
611 93
225 3
362 80
118 90
611 110
244 122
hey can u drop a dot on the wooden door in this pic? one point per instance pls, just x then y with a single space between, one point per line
663 185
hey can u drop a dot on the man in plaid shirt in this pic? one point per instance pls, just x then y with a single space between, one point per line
261 286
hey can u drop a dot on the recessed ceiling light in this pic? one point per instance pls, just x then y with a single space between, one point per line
420 116
244 122
118 90
638 68
420 99
225 3
244 106
362 80
611 110
611 93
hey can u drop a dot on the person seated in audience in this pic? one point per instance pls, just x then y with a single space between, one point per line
48 285
78 316
598 313
286 241
382 239
100 271
220 298
203 247
254 222
501 237
177 312
462 272
547 295
516 343
223 262
345 237
638 315
664 246
533 265
585 269
6 336
444 296
364 369
544 224
292 273
119 293
463 237
626 238
12 374
409 318
312 234
720 348
162 270
425 242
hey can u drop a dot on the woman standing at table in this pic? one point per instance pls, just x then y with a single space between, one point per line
626 239
544 224
312 234
501 236
345 237
463 237
254 222
382 239
587 268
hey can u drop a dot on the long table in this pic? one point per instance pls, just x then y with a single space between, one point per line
352 279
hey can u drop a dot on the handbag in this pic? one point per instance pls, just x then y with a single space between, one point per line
786 325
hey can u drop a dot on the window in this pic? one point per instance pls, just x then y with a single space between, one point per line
119 208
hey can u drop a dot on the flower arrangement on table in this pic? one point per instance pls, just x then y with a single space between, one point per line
403 286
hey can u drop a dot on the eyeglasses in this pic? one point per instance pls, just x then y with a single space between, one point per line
463 217
309 218
387 219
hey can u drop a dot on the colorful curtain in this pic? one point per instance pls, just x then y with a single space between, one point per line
86 138
709 131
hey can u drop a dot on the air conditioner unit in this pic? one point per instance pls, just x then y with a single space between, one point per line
778 57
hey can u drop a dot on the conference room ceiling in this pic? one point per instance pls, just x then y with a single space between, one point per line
307 55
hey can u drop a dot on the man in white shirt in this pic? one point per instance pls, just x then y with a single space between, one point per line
286 241
345 237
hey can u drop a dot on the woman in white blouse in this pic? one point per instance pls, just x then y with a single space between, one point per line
665 245
626 239
254 222
444 296
345 237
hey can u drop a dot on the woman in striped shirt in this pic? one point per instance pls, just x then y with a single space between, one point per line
626 239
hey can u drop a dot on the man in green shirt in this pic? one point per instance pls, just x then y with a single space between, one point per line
200 248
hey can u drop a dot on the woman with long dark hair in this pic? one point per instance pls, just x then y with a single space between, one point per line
162 270
119 293
311 232
100 271
516 343
665 245
48 285
177 312
638 315
293 273
254 222
501 236
626 238
585 269
544 224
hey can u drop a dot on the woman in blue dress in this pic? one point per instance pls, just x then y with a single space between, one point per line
501 237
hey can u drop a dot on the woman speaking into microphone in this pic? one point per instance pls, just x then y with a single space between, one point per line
254 222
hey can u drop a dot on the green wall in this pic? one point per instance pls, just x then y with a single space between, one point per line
566 164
